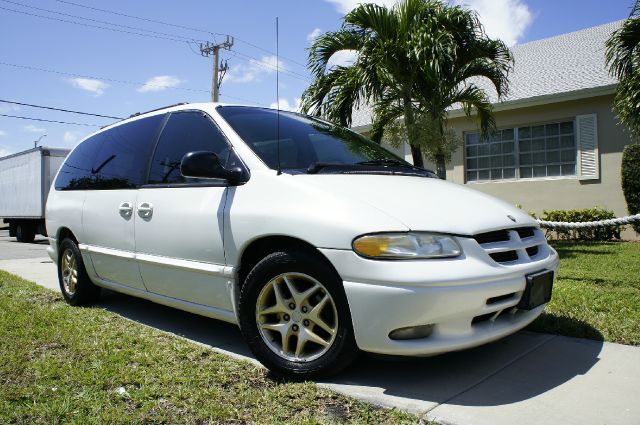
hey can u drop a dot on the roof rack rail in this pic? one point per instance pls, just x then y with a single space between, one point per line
158 109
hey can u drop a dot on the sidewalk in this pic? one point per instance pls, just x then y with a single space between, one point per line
528 378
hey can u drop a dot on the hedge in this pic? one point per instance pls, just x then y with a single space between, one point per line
589 214
631 180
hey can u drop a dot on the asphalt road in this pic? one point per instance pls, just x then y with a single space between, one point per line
11 249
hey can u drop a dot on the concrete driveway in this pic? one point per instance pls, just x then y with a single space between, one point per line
528 378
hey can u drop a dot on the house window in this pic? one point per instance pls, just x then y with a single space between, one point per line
547 150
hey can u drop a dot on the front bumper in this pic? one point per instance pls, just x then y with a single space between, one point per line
52 249
457 296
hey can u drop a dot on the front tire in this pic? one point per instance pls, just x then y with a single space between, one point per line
295 316
77 289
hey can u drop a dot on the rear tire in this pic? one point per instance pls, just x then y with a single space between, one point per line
25 233
283 328
75 285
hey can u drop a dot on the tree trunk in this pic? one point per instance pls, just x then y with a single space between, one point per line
441 167
409 122
416 155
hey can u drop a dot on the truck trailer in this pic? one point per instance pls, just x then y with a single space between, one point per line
25 179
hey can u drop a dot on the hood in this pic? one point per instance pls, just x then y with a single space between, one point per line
425 204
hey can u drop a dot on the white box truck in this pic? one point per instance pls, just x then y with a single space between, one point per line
25 179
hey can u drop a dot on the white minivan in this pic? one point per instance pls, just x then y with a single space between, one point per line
317 242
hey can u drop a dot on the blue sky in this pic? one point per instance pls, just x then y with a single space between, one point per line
117 73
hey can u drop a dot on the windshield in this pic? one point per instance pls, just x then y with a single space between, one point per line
307 144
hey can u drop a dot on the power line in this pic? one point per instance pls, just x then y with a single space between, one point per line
179 26
241 99
137 17
59 109
42 119
172 36
111 80
257 61
92 26
265 65
155 34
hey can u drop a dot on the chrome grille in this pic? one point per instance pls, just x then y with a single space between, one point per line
513 246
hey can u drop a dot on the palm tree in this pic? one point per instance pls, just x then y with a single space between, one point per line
623 59
413 59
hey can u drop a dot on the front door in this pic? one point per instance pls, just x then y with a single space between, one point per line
179 221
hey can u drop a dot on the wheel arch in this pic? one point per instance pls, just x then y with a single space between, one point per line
63 233
260 247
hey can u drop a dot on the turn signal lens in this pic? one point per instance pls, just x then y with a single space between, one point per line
406 246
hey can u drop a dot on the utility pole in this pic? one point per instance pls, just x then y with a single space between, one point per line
208 49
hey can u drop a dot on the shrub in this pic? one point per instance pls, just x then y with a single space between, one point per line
631 180
585 234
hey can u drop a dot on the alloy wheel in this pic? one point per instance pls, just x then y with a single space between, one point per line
296 317
69 269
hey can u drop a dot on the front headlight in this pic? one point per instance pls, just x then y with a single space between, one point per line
406 246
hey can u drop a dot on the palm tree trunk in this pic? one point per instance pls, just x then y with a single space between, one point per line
416 155
441 167
409 122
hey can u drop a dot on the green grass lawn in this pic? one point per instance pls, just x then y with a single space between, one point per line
597 294
60 364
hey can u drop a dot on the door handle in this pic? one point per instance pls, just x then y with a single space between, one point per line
125 208
145 210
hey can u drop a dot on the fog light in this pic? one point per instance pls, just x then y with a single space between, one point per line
411 332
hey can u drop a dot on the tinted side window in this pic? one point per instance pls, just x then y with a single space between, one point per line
185 132
75 173
122 160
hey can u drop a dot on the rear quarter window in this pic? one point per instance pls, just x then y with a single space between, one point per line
113 159
75 172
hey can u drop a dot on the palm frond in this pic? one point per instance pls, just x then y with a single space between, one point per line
330 43
474 100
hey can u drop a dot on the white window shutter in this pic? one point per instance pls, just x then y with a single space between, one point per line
587 140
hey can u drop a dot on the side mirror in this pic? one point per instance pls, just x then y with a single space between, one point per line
206 165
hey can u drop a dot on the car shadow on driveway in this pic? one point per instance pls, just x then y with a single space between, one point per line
513 369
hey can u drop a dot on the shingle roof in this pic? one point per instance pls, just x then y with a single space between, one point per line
555 65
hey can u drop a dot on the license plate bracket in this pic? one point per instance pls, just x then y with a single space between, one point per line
537 291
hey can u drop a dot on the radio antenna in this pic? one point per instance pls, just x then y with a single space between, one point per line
278 94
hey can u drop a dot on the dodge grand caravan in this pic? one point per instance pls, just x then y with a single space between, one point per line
317 242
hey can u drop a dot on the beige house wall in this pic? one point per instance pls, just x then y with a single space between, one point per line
557 193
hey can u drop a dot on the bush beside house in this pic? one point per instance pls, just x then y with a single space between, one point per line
631 180
585 234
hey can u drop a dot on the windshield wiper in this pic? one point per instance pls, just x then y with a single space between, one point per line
395 162
315 167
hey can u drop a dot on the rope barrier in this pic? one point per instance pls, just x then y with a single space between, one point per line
559 225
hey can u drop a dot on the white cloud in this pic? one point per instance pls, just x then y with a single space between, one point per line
160 82
313 35
70 137
4 152
33 129
342 58
96 87
3 133
504 19
344 6
254 69
286 106
8 107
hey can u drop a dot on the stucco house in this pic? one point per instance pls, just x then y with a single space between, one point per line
558 144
